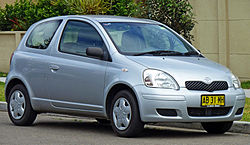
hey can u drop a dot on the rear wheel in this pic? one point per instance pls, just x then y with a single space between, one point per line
124 115
19 107
217 127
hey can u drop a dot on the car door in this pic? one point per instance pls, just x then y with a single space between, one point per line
34 61
76 80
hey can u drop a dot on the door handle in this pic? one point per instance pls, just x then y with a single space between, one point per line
54 67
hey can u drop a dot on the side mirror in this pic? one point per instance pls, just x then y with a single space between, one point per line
94 52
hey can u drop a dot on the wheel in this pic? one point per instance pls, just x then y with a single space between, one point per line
19 107
103 121
217 127
124 115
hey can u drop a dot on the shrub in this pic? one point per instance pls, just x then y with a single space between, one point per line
125 8
83 7
17 16
177 14
23 13
3 21
51 8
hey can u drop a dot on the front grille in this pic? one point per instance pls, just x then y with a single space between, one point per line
201 86
208 111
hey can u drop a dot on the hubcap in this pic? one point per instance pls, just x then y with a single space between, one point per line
17 104
122 113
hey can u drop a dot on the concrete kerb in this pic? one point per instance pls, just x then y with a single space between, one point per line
238 126
3 106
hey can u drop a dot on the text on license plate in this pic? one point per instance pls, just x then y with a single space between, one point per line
207 100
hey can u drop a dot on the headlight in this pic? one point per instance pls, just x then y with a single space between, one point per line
236 82
159 79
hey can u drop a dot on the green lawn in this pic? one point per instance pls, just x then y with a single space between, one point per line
245 85
2 98
246 115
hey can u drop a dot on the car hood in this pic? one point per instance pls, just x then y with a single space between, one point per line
186 68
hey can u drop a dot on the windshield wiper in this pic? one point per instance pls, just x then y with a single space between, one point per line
192 53
161 53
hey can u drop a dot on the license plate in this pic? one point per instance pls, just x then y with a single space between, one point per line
212 100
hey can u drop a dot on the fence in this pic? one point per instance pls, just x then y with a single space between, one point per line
222 33
9 41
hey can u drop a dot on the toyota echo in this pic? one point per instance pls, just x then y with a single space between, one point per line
121 70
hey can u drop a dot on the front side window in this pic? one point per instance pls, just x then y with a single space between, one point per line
146 39
78 36
42 34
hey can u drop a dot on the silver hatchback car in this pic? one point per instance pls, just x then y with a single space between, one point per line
121 70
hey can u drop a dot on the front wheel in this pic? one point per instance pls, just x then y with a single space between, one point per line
124 115
19 107
217 127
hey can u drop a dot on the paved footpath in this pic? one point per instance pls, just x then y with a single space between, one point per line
247 92
2 79
60 130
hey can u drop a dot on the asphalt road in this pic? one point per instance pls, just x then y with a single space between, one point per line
61 130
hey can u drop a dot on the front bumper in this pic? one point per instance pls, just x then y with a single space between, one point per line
150 99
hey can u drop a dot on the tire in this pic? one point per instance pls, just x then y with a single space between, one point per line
19 107
217 127
125 116
103 121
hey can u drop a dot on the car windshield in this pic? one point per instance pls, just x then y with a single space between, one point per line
147 39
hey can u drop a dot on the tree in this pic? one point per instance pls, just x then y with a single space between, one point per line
177 14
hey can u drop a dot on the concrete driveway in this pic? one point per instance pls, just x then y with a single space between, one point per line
61 130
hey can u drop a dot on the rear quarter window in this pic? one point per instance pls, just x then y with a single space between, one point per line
42 34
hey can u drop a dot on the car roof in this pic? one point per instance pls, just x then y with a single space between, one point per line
108 18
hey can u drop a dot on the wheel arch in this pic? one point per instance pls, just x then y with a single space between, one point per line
115 89
11 84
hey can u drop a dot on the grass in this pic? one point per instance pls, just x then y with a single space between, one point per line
246 115
245 85
3 74
2 98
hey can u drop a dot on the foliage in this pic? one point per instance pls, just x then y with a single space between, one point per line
3 20
83 7
51 8
125 8
245 85
17 16
177 14
3 74
23 13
